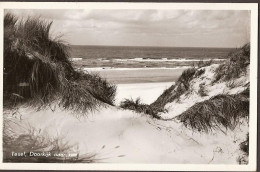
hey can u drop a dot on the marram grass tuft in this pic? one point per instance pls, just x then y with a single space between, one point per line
38 70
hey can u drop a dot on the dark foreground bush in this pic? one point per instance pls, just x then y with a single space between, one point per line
37 70
221 110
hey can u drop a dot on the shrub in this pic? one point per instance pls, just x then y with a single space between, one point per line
221 110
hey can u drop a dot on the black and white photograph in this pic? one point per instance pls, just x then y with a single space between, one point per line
97 85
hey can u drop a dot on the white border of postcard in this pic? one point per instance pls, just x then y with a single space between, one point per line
253 7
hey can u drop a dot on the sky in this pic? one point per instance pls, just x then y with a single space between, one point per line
169 28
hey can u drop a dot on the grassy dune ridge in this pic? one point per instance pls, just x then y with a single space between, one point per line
37 70
220 110
39 74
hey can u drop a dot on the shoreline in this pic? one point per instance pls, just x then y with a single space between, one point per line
138 75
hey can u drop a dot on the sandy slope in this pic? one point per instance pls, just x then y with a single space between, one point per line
192 97
135 138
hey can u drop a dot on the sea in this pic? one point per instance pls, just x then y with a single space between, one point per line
143 72
144 57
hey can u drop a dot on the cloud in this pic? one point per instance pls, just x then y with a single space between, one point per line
152 26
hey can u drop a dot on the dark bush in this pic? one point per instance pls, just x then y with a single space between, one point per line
37 70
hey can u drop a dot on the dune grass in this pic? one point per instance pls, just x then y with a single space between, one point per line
204 116
20 138
139 107
204 63
98 87
170 94
235 66
49 150
38 70
37 73
202 90
177 89
244 147
217 112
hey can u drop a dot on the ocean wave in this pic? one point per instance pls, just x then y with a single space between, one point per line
103 59
166 60
76 59
118 69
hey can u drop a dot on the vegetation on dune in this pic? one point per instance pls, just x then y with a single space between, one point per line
220 110
202 90
244 147
235 66
37 70
204 63
32 142
170 94
38 73
139 107
103 90
176 90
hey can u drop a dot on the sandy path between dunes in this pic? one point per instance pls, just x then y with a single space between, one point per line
121 136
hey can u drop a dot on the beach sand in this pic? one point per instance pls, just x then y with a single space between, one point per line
146 83
122 136
143 75
148 92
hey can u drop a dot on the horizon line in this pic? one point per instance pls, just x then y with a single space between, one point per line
151 46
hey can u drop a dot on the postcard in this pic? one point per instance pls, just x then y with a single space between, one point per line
129 86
